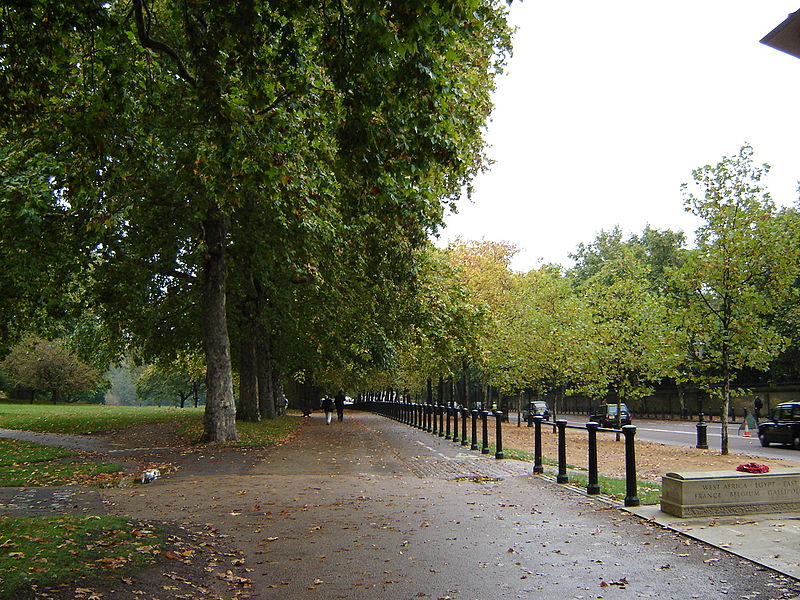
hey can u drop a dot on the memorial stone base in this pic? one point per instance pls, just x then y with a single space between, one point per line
715 493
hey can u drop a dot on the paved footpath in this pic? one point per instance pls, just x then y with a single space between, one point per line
369 508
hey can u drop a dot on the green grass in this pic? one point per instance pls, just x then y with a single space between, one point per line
649 493
51 474
25 464
13 452
47 551
98 419
89 418
263 433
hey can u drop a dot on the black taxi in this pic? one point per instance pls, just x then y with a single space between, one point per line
783 427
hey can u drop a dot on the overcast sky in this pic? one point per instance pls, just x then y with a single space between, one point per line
606 107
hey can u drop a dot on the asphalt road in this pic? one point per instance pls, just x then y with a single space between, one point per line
684 433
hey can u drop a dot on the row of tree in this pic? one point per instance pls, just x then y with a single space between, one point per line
251 180
255 184
631 312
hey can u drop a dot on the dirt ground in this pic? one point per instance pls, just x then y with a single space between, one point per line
652 460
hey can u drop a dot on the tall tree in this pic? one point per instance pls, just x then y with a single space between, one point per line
47 366
628 347
172 127
739 274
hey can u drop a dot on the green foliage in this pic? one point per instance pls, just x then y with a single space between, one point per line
172 382
300 154
48 366
628 347
659 251
52 550
734 282
543 333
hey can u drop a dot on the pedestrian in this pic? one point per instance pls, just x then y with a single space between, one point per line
757 405
283 404
339 402
327 406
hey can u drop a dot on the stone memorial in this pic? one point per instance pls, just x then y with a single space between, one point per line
717 493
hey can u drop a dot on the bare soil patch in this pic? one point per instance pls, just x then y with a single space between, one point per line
652 460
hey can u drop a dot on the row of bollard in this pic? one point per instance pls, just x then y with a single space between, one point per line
593 484
436 420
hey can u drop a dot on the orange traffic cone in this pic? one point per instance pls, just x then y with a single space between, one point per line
746 432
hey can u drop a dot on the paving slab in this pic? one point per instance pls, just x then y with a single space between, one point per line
770 540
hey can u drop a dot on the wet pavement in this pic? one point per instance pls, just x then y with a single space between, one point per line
370 508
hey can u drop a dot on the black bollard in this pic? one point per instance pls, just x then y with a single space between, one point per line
561 426
448 410
429 418
537 445
474 445
464 417
485 428
702 433
456 412
631 497
441 420
592 487
498 434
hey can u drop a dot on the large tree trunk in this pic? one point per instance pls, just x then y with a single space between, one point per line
249 397
266 389
220 413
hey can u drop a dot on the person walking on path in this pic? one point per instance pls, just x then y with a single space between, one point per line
757 405
339 402
327 406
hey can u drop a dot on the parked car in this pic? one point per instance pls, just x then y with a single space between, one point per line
606 415
534 409
783 427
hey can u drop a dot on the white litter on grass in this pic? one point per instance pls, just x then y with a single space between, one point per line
150 475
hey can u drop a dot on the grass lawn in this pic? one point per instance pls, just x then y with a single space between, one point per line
86 419
89 419
648 493
23 464
46 551
263 433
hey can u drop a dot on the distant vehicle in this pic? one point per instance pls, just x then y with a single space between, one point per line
606 415
534 409
783 426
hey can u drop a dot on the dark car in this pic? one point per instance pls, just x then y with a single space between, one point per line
783 426
606 415
536 409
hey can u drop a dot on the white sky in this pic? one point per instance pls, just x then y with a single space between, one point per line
606 107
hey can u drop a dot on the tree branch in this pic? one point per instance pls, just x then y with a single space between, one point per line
147 42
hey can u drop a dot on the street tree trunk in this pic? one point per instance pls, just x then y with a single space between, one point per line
220 413
248 409
726 396
266 389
